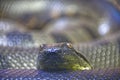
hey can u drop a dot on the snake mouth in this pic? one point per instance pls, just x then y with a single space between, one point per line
61 56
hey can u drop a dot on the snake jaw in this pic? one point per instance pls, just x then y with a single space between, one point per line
61 56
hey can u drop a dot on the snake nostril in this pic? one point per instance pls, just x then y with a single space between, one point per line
60 57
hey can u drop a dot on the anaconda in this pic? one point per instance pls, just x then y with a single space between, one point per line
91 26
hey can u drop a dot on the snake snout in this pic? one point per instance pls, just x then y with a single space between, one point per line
61 56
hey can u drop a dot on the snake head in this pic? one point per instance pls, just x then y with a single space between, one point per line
60 56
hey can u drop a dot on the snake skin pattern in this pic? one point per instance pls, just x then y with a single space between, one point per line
24 28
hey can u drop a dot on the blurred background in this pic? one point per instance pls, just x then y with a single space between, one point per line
36 22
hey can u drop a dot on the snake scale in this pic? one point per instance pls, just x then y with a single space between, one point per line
37 35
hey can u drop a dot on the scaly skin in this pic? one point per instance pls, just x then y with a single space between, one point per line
20 47
19 63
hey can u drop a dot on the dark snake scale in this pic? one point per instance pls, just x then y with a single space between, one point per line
59 40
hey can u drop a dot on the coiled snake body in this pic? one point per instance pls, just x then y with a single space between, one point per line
91 26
